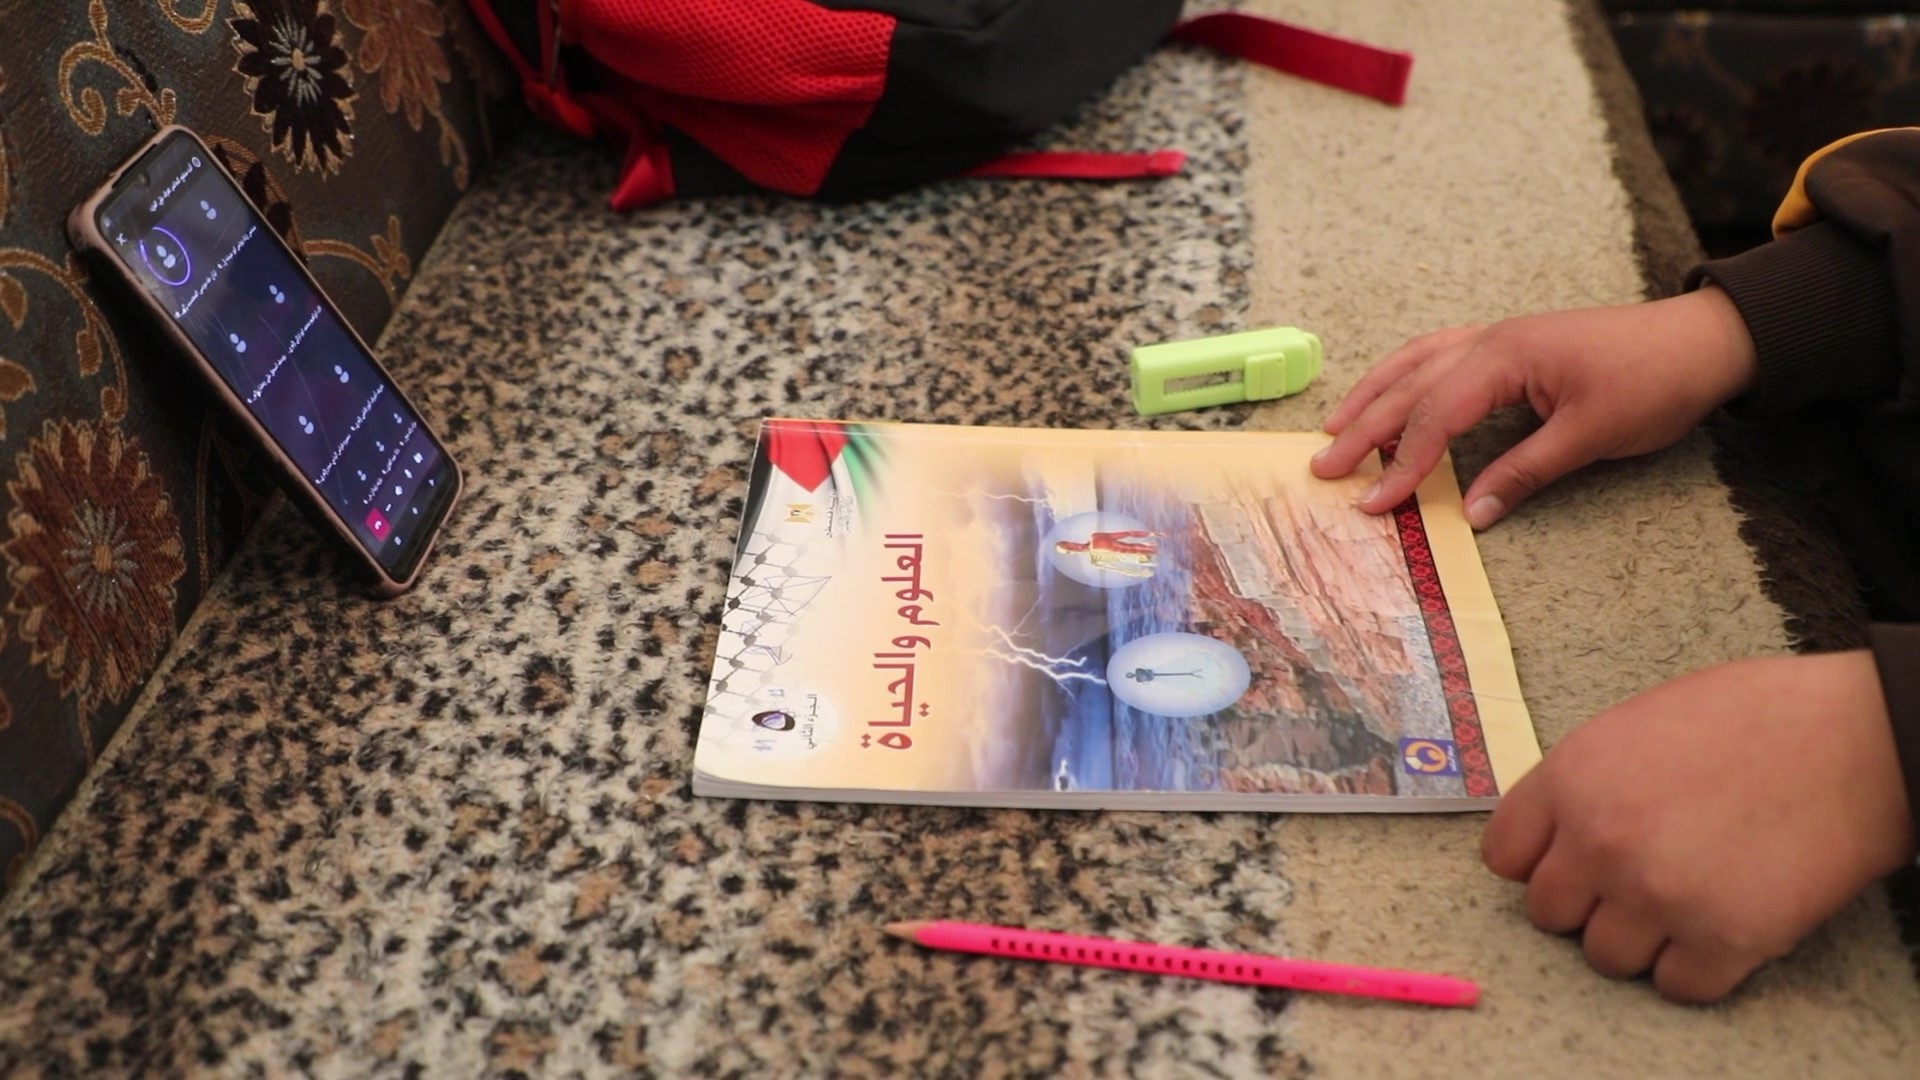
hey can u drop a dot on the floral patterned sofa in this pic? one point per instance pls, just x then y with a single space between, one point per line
1738 92
356 124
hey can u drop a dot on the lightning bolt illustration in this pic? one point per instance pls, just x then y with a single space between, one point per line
1047 501
1033 609
1048 665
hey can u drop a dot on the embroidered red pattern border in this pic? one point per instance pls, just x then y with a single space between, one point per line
1469 744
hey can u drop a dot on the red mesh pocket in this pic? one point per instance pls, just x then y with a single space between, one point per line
771 87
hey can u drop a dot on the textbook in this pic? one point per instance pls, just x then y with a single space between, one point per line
1149 620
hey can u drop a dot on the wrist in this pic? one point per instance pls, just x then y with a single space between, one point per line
1718 339
1888 829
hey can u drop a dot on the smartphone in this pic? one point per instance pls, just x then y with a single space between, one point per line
199 259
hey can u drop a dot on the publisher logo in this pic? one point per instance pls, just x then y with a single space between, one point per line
784 725
1429 757
774 720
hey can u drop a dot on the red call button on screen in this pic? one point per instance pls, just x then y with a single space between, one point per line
377 524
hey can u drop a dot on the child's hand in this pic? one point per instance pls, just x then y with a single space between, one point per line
1704 827
1609 382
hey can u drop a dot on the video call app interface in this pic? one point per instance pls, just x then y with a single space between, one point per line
216 267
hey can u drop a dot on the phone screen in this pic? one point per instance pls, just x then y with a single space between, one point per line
198 247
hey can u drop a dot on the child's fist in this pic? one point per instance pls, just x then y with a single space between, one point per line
1704 827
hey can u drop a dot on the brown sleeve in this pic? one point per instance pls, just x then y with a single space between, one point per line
1834 306
1820 306
1896 651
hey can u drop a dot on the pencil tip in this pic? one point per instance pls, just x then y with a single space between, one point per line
905 931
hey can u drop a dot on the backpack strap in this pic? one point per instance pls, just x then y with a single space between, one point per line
1354 66
1069 165
544 86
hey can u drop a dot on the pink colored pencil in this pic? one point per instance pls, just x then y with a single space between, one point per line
1248 968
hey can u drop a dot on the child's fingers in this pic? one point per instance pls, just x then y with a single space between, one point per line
1520 830
1391 369
1696 976
1398 365
1561 896
1620 942
1449 407
1376 426
1382 421
1536 461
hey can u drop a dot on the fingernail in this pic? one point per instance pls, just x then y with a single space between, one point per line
1367 497
1485 511
1322 455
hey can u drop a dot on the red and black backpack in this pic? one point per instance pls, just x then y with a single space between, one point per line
841 99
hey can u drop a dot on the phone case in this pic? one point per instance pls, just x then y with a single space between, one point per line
94 246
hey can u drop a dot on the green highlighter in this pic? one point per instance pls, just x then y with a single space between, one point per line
1226 370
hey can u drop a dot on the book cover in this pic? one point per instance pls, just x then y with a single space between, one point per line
1148 620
